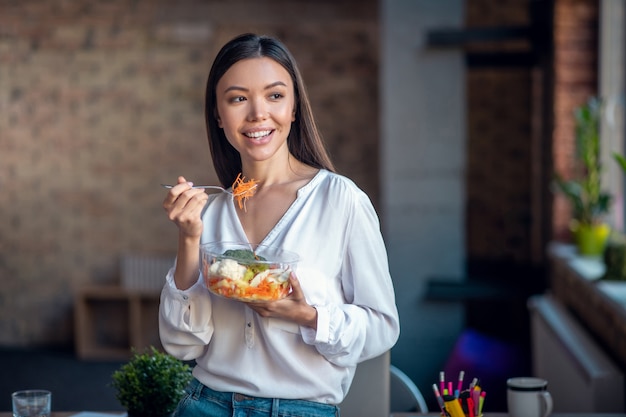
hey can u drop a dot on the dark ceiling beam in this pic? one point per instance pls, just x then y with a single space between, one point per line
455 38
500 59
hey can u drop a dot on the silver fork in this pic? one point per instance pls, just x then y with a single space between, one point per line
214 187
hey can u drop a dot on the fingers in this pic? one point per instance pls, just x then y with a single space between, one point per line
284 307
182 189
183 198
184 205
293 307
296 289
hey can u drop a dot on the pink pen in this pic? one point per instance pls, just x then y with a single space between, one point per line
442 378
459 386
450 390
439 399
473 383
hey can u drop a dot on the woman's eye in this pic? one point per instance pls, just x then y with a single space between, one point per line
238 99
276 96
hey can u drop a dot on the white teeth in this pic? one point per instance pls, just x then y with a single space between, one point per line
258 134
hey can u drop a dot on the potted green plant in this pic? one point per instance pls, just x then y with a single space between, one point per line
615 252
589 202
621 161
151 384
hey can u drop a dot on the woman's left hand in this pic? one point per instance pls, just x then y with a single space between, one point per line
293 307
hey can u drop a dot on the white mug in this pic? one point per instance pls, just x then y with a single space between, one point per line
528 397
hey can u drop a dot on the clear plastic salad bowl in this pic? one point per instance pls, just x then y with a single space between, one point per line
245 272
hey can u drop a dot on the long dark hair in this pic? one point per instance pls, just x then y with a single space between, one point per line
304 140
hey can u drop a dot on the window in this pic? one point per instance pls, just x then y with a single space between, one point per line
612 78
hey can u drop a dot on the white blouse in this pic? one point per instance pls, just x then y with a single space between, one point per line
344 273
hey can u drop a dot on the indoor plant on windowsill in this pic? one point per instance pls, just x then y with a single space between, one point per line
589 202
615 252
151 384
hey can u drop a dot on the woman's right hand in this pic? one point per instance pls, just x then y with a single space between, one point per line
184 205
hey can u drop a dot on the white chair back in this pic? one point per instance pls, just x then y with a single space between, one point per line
369 393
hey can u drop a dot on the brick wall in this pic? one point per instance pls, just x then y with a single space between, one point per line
498 176
102 101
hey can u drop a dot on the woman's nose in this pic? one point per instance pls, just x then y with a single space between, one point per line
258 110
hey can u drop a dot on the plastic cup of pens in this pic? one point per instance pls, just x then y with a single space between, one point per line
456 399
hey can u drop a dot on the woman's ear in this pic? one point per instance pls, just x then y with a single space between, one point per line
293 115
219 121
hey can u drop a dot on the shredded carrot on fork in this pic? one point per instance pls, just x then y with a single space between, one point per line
242 190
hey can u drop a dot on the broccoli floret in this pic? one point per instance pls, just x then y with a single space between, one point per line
248 257
243 255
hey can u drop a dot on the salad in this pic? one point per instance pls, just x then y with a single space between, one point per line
244 275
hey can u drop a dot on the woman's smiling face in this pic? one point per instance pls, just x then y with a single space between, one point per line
255 107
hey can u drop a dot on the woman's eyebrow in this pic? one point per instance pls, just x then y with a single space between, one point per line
235 88
275 84
267 87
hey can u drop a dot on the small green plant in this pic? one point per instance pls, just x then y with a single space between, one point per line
151 383
589 202
621 161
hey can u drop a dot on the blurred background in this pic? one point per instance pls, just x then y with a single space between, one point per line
451 114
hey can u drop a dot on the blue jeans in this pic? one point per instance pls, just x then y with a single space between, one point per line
202 401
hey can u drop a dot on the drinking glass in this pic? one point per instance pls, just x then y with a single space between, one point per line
31 403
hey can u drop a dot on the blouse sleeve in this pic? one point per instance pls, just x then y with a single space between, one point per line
185 324
367 324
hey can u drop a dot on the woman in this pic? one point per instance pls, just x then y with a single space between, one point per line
295 356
